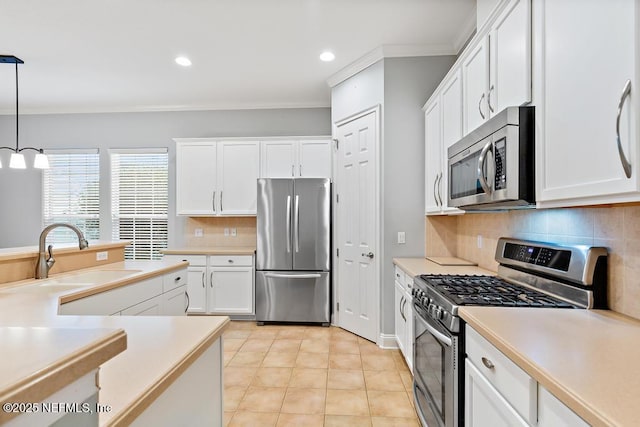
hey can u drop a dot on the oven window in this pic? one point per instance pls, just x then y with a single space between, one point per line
463 180
430 357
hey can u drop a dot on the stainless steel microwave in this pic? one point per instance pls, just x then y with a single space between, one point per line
494 166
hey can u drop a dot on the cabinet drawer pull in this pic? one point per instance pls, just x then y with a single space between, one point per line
623 159
488 363
230 261
177 279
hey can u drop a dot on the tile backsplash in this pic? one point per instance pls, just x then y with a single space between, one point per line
616 228
213 232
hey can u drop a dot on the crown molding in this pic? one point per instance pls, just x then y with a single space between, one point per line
389 51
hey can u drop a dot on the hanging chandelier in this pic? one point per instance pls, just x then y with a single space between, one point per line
17 158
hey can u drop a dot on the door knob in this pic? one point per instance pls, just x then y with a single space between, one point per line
369 255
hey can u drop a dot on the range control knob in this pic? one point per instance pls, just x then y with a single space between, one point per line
439 313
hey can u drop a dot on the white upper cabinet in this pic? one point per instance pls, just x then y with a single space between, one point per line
278 158
433 154
475 71
238 171
510 58
497 68
216 177
196 178
586 58
443 127
314 159
296 158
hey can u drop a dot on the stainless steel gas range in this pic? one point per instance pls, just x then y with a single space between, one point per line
530 274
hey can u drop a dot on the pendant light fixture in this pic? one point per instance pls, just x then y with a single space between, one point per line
17 158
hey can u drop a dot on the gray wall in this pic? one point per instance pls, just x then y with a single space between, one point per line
408 83
20 190
401 86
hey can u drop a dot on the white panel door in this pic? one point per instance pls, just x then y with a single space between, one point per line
510 75
238 171
358 280
553 413
583 73
433 156
400 322
278 159
196 178
451 100
231 290
314 159
475 79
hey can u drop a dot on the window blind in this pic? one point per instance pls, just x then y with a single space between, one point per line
71 194
139 201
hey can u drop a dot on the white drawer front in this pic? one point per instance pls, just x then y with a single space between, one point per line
174 279
404 278
199 260
514 384
231 260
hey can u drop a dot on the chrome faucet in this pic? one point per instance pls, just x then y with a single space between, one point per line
44 264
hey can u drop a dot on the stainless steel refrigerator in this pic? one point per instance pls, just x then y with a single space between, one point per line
293 252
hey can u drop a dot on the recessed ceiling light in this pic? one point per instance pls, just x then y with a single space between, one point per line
184 61
327 56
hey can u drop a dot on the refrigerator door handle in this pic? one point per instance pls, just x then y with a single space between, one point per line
293 276
288 224
296 223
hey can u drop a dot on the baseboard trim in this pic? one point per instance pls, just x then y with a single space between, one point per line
387 341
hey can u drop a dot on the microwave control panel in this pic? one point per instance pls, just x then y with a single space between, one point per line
500 154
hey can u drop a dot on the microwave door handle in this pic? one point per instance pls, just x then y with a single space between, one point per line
481 162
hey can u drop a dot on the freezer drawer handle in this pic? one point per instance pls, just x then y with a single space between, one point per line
293 276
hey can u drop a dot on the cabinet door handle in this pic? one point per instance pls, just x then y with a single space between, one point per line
488 363
435 192
489 99
400 307
480 106
213 202
203 274
481 161
300 169
440 190
211 279
292 167
623 159
188 301
221 208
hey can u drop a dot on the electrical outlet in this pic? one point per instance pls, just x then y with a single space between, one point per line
199 232
234 232
401 238
479 241
226 232
102 256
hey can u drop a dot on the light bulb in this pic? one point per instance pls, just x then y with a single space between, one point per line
17 161
327 56
41 161
184 61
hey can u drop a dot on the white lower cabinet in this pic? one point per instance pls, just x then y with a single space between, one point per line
484 405
220 284
148 297
175 302
500 393
404 314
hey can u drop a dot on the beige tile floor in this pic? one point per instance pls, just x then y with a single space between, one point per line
312 376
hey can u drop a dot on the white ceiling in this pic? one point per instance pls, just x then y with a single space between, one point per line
118 55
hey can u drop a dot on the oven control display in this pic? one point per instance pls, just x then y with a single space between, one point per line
556 259
500 154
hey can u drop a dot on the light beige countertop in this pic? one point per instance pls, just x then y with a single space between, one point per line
417 266
44 360
31 251
587 358
158 348
218 250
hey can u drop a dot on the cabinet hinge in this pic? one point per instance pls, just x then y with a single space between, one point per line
337 144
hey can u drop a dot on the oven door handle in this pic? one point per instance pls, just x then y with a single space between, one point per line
439 335
481 162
